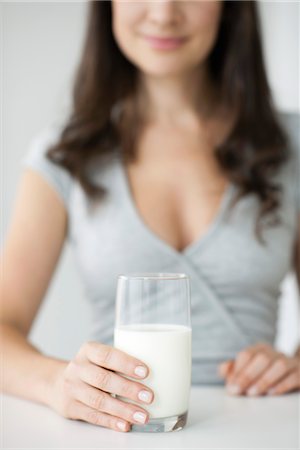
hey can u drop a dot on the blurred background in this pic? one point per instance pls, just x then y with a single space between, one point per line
41 44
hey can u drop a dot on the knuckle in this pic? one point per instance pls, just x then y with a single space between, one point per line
244 379
106 355
294 378
282 364
244 354
93 417
88 347
264 382
263 346
82 353
295 364
84 348
129 390
282 387
103 379
89 344
97 401
290 381
263 358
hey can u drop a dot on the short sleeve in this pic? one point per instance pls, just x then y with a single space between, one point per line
35 158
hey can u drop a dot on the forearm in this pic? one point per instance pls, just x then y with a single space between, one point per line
25 371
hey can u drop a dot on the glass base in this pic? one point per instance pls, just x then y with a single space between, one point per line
173 423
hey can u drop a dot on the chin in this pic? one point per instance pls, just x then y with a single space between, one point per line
164 68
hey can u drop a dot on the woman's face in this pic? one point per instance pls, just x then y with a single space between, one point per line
165 37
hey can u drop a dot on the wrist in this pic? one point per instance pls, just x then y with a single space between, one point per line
53 370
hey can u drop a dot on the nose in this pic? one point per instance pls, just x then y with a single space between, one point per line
164 12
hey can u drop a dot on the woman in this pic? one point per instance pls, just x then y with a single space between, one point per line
172 160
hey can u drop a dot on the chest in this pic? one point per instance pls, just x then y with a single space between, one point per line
177 186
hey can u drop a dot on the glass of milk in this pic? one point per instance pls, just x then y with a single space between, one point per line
153 324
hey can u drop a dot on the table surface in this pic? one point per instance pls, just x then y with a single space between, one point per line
216 421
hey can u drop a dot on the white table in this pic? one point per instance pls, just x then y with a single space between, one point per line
216 421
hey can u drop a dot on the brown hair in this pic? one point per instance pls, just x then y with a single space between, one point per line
252 153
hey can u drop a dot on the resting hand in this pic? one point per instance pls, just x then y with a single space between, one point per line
260 370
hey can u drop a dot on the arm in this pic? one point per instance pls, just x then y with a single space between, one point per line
260 369
32 248
76 389
297 270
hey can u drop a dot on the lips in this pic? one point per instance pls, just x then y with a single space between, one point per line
168 43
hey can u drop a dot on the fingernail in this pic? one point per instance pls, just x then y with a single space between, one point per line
233 389
145 396
271 391
139 417
121 426
140 371
252 391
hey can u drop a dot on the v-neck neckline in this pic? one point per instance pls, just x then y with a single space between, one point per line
198 243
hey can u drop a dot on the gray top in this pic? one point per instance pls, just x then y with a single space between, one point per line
235 280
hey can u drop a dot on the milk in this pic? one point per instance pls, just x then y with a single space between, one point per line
166 349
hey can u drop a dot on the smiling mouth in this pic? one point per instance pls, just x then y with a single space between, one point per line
169 43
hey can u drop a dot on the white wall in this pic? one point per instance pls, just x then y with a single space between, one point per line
280 26
40 48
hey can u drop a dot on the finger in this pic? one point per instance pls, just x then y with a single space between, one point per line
225 368
102 401
280 368
115 384
290 383
249 374
241 360
113 359
244 357
84 412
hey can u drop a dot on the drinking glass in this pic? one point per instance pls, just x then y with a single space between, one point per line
153 324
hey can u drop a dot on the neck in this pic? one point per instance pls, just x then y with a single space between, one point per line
175 100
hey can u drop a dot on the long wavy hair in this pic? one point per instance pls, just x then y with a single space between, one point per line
251 154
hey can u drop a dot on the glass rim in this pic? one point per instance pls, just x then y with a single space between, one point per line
153 276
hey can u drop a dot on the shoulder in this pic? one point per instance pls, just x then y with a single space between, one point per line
43 140
36 159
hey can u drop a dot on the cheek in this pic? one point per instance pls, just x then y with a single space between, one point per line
204 18
125 18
